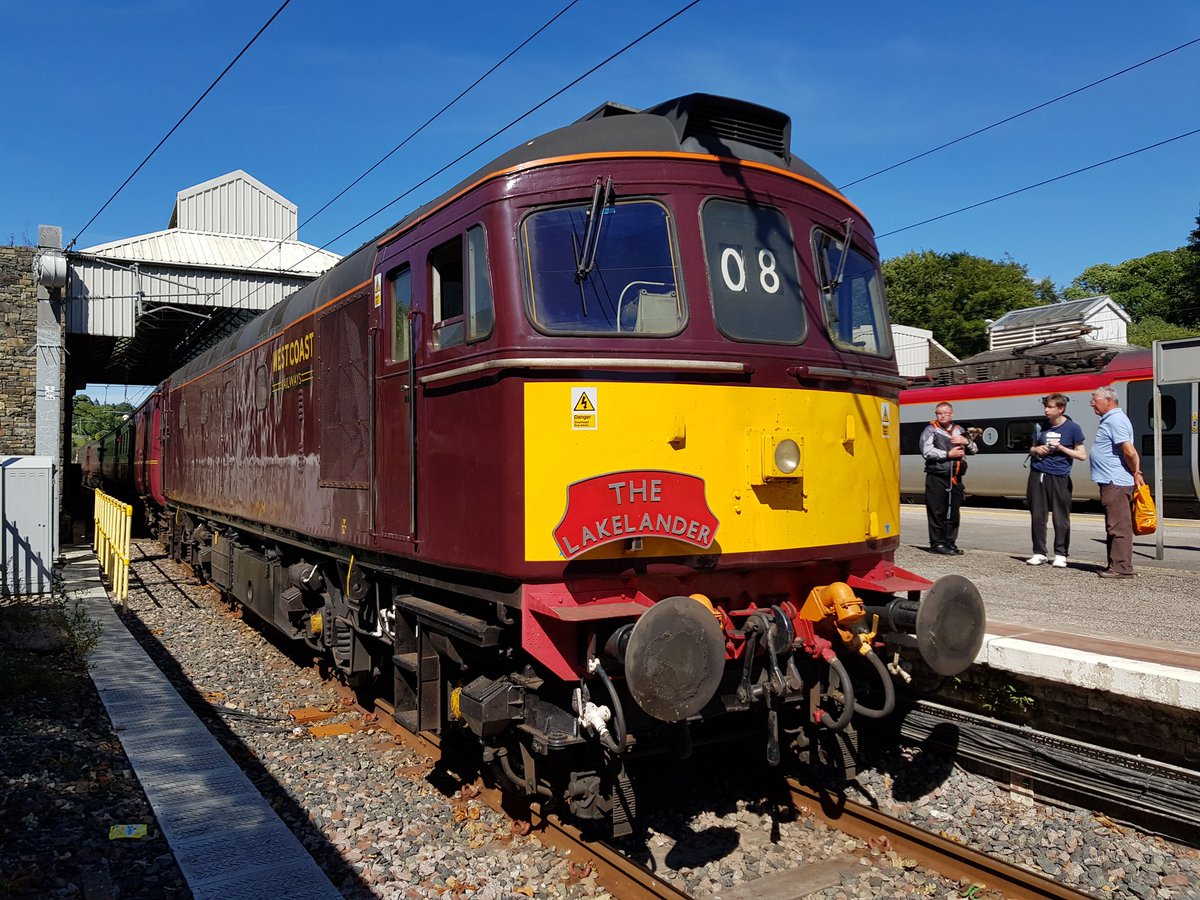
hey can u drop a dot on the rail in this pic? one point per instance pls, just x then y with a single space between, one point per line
111 543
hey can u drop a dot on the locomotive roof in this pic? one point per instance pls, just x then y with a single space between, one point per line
696 123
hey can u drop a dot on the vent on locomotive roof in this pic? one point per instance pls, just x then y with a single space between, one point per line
715 121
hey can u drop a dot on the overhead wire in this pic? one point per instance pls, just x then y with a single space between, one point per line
516 121
493 135
1005 121
429 121
175 127
1039 184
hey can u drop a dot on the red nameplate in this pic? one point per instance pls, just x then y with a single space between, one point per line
639 504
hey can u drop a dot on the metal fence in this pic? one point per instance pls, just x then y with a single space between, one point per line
111 543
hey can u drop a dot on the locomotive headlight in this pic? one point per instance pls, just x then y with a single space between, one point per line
787 456
782 457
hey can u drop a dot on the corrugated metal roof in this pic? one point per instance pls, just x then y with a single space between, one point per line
181 247
1054 313
235 203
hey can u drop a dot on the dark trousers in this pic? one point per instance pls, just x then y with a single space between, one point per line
1050 495
942 503
1118 526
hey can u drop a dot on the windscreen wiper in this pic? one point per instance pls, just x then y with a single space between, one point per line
836 281
601 197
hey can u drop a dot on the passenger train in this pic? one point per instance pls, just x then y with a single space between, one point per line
1009 413
592 457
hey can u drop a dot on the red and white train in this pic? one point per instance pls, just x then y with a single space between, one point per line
1009 413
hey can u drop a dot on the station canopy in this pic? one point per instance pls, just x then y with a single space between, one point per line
139 308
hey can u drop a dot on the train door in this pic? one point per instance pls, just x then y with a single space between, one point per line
394 513
1179 418
154 469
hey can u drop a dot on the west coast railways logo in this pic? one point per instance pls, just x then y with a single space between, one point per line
635 504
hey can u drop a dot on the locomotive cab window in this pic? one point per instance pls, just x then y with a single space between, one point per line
481 314
400 287
752 273
446 291
461 290
604 268
852 296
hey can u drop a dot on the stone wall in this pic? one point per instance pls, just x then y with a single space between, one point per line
18 339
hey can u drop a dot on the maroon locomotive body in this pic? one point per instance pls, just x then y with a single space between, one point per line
623 401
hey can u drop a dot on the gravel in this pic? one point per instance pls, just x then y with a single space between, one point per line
383 824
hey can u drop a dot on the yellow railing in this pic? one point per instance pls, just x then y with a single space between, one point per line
111 542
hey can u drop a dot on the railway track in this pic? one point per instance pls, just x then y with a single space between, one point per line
887 839
627 879
948 858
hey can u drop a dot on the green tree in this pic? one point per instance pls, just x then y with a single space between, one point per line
952 294
1151 285
90 420
1190 289
1145 332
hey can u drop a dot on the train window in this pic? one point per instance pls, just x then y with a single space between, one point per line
401 288
446 272
752 273
227 394
1019 434
852 296
204 406
1168 414
617 278
480 312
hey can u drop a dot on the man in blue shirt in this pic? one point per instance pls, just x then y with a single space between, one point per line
1056 446
1116 468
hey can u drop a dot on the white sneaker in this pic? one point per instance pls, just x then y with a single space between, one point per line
1060 562
1037 559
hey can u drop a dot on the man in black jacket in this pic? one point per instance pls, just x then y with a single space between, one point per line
944 446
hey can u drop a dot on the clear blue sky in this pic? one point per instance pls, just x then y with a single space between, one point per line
90 88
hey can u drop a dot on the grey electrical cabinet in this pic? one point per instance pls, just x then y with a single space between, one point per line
29 540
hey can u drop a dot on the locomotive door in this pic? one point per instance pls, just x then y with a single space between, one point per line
394 513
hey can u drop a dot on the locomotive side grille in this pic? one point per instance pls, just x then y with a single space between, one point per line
345 395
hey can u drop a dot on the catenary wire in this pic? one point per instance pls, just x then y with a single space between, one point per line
488 139
1030 187
250 267
174 127
517 120
1025 112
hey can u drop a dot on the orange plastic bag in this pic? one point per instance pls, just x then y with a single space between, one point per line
1145 516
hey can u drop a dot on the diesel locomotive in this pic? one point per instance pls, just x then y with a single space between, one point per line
592 457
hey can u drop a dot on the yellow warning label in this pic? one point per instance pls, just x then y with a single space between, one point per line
583 409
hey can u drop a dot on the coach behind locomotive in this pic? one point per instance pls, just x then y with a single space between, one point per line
587 455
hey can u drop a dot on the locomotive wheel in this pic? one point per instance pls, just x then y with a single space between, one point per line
675 659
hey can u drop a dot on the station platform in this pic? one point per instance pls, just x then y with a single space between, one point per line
227 840
1130 637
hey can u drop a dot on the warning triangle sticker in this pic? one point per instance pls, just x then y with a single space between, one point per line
584 404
